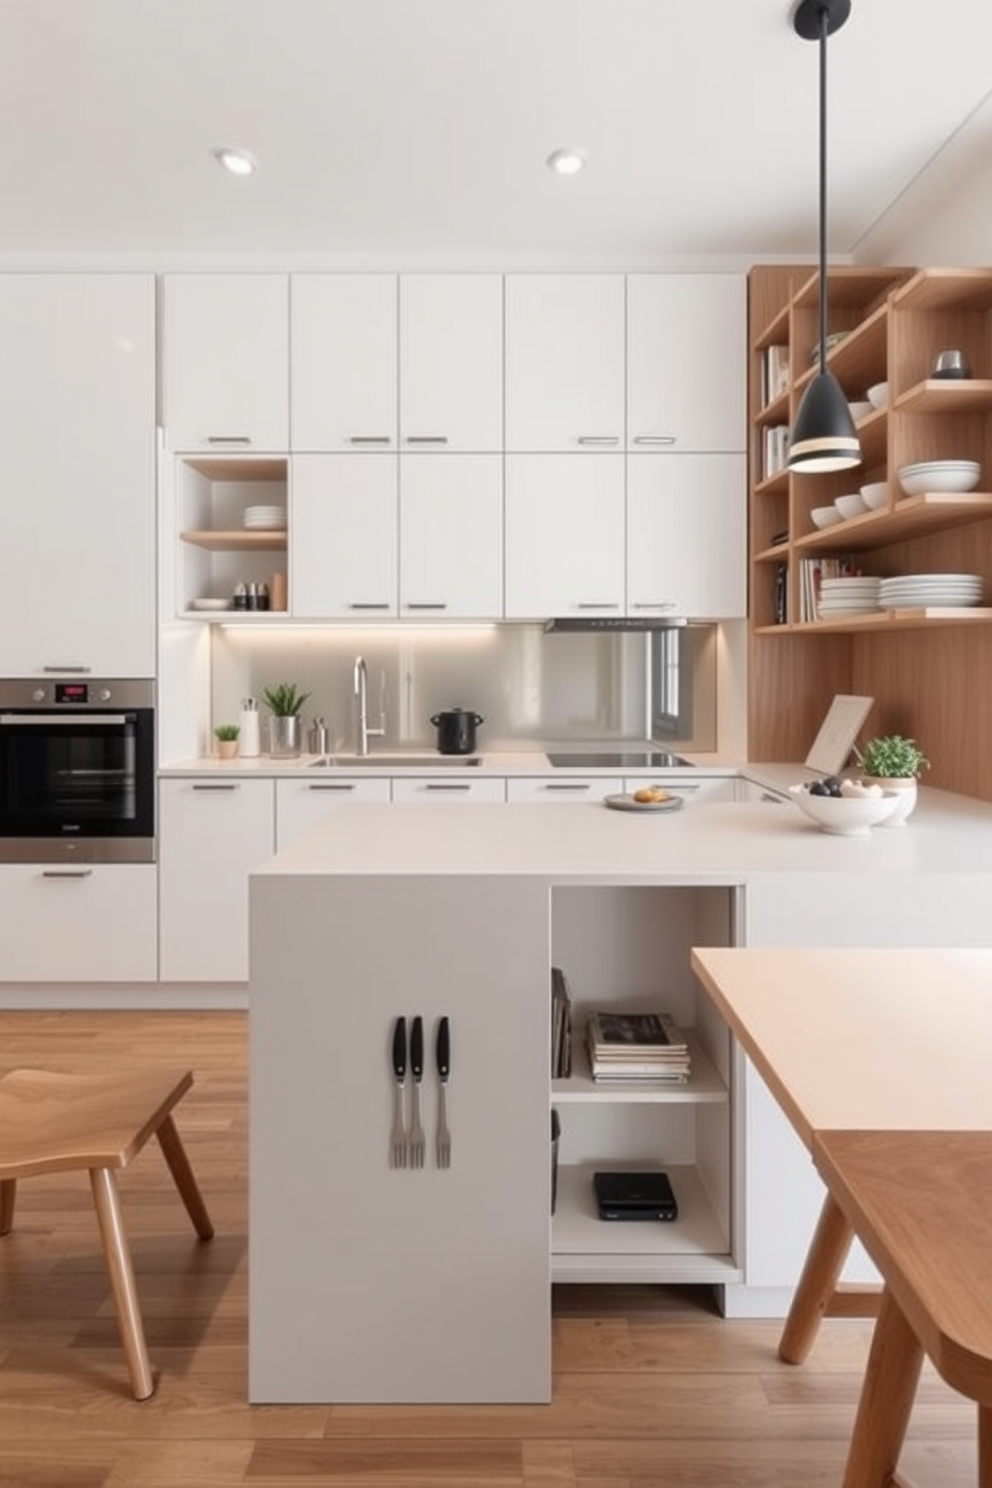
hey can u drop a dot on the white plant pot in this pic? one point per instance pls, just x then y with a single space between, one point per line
905 786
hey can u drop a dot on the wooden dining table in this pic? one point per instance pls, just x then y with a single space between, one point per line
880 1060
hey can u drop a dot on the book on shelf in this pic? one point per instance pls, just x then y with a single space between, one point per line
812 572
775 449
561 1025
636 1046
781 593
774 373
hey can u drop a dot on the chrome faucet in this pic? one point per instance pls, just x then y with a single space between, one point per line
361 689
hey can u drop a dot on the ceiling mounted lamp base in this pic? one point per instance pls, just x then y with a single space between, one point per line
822 437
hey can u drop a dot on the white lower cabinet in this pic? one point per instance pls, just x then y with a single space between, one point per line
564 536
417 788
92 922
212 833
690 787
302 804
557 792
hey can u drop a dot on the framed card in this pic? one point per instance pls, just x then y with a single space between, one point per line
833 744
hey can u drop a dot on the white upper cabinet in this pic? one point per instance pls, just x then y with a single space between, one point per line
226 361
565 362
451 362
686 518
77 444
451 537
343 368
343 553
686 362
564 536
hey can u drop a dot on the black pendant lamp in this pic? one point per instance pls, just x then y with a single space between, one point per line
822 437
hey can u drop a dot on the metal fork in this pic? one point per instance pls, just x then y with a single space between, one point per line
443 1054
397 1135
415 1145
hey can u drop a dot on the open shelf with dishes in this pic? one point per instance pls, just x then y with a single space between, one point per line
231 518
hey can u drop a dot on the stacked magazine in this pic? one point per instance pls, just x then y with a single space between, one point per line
561 1026
636 1046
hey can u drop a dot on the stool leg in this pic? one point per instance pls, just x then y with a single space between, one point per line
175 1155
118 1256
887 1394
817 1284
984 1447
8 1193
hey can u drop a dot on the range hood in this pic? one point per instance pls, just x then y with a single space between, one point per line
615 622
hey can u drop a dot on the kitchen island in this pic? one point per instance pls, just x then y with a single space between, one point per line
383 1284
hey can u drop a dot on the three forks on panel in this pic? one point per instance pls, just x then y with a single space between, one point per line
407 1140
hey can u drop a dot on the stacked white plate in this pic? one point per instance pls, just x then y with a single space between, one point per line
854 596
920 591
940 475
265 518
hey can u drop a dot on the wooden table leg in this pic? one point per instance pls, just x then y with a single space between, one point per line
175 1155
817 1284
887 1395
984 1446
122 1283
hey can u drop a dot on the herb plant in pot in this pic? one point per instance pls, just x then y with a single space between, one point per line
285 703
894 763
226 735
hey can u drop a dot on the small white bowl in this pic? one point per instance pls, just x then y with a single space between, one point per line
876 494
878 394
825 516
845 816
852 505
861 409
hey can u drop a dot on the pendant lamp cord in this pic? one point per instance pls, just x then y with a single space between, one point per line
824 20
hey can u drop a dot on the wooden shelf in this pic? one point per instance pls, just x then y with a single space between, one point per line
884 620
777 554
236 541
703 1086
772 485
946 289
911 516
947 395
241 467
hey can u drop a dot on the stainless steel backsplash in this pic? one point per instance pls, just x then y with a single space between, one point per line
527 685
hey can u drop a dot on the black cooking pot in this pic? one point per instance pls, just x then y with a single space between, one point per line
456 730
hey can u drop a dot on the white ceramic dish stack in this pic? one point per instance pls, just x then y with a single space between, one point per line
931 591
940 475
851 596
265 518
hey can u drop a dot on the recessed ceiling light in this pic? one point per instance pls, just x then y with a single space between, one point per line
238 162
567 162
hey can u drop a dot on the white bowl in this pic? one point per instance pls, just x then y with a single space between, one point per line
940 475
852 505
861 409
875 494
878 394
845 816
825 516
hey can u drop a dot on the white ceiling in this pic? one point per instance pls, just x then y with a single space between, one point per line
420 127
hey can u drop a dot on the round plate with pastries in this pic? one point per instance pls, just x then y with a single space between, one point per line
646 798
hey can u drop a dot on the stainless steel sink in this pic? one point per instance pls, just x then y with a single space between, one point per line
395 762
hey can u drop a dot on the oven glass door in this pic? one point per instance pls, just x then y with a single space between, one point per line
76 775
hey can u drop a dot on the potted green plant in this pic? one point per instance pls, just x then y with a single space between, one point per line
285 703
894 763
226 735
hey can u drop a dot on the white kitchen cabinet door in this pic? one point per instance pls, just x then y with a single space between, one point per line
451 537
564 362
690 787
451 362
77 436
226 361
92 922
487 788
686 524
564 539
212 833
686 362
552 790
302 804
343 537
343 362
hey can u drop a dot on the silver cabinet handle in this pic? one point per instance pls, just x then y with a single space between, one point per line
76 670
566 785
229 439
220 785
417 604
338 785
448 785
656 604
593 604
369 604
677 789
370 439
654 438
62 720
772 800
425 439
592 439
67 873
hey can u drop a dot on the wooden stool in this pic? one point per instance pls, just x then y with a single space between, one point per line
52 1123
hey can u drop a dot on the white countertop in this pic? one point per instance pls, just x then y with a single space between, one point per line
502 761
705 843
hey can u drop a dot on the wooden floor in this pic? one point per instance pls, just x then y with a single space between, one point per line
651 1388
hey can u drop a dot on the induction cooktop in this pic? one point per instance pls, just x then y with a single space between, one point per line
619 759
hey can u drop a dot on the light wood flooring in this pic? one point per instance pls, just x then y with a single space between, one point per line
652 1389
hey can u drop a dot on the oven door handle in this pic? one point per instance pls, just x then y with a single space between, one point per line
68 720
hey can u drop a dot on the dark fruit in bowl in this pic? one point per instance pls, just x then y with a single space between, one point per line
817 788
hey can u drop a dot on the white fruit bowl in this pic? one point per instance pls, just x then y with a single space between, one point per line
845 816
825 516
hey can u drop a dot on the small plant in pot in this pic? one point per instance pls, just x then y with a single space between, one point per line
285 702
894 763
226 735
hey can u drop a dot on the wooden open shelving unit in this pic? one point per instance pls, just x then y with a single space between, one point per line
925 668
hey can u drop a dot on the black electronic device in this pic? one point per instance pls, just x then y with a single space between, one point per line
640 1195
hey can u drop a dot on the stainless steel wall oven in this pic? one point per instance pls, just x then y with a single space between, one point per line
77 771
